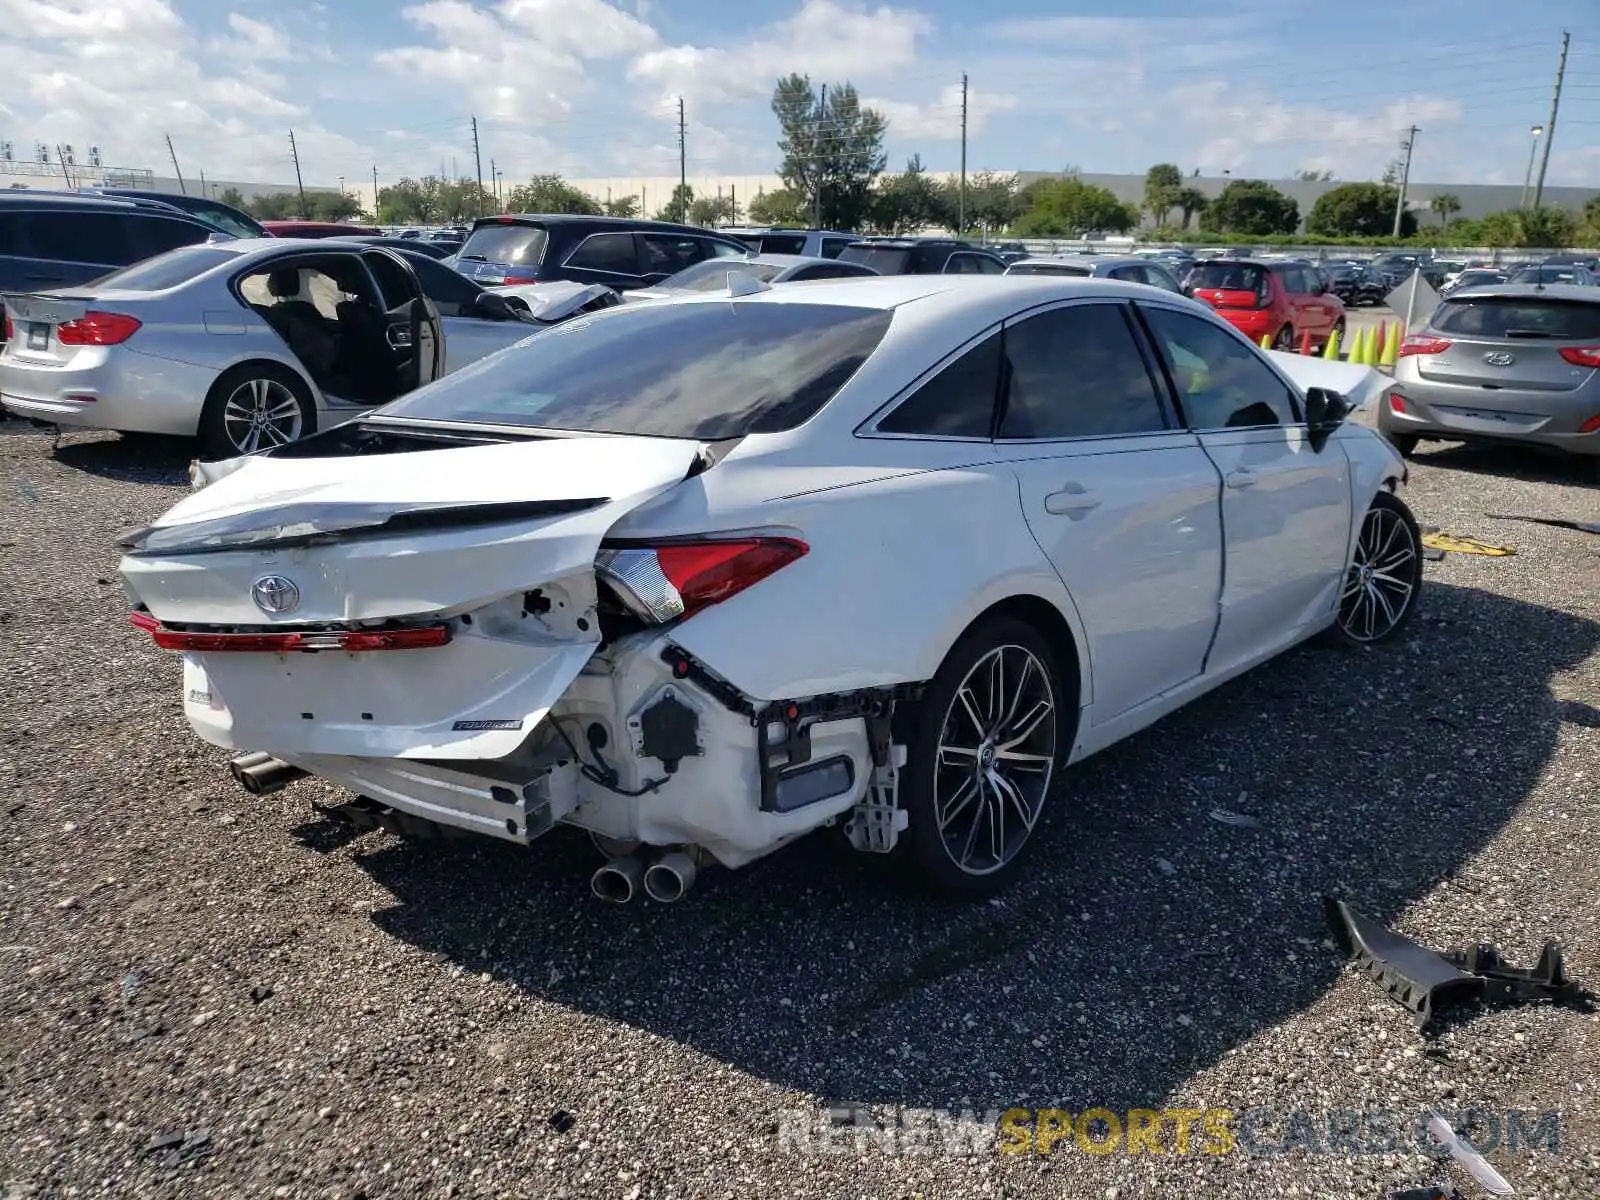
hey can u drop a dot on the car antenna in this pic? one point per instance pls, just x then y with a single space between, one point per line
742 283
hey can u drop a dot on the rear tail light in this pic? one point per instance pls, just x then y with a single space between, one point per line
1592 425
1397 402
11 330
676 579
97 329
1423 343
514 279
299 642
1582 356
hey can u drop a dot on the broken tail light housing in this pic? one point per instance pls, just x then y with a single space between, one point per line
1582 356
97 329
302 641
1422 343
669 580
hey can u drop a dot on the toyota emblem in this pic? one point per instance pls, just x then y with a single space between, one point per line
276 595
1499 358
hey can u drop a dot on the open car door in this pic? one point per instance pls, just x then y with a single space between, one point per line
415 333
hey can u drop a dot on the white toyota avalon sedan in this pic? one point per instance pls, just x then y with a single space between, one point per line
703 575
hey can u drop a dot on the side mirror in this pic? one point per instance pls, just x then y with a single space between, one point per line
493 306
1326 410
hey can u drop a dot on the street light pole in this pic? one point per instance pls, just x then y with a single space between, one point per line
1533 151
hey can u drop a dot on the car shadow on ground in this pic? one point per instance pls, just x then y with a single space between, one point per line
133 459
1510 462
1147 936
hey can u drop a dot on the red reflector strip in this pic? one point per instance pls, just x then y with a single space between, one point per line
309 641
1592 425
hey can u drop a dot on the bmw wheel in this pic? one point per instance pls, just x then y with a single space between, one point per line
1384 579
992 727
254 407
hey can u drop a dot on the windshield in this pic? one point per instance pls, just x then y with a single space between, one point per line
225 220
1507 316
689 370
1028 268
1550 275
167 270
515 245
885 260
712 276
782 243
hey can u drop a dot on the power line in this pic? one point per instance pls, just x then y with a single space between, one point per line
1555 108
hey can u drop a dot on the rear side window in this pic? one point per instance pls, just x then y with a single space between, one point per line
1508 317
82 237
162 235
958 402
885 260
833 247
691 370
1077 372
670 253
783 243
169 270
518 245
613 252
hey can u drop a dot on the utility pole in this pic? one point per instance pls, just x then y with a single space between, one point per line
817 143
494 182
203 184
62 159
733 201
374 191
1550 127
1405 177
683 162
1527 177
178 170
477 158
961 218
294 153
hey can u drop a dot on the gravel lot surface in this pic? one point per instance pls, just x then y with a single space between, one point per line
209 995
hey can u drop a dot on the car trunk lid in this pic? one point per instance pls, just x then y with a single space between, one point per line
498 543
1509 341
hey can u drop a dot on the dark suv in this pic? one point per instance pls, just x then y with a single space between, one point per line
225 218
616 251
923 256
57 241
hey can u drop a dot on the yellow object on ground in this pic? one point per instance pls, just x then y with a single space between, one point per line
1452 544
1358 344
1331 348
1391 348
1266 341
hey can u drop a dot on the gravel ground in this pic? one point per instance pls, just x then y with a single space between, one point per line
206 994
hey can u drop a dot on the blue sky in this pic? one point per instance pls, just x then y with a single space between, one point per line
589 87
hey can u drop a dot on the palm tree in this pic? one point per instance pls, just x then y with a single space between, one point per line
1446 205
1189 201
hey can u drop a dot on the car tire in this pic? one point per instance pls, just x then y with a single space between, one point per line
1405 443
259 387
972 713
1285 339
1383 582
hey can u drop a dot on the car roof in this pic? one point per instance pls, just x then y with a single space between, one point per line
47 198
1090 260
1582 293
639 224
783 260
909 243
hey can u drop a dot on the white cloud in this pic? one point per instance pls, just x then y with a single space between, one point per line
940 120
253 41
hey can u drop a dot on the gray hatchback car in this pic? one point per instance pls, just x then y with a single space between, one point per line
1502 363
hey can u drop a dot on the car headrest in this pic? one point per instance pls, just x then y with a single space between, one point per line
284 283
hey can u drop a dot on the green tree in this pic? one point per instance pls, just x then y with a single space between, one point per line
623 206
1588 231
904 203
831 146
1358 210
1071 208
1162 183
551 194
993 202
1546 228
711 211
332 206
1189 201
1252 207
233 196
677 208
411 202
782 207
1445 205
278 206
1501 229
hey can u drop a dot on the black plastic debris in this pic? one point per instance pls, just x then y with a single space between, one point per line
561 1120
176 1149
1428 1193
1412 974
260 992
1557 522
1425 981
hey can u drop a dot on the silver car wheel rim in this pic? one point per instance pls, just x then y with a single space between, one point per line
261 413
1380 585
997 748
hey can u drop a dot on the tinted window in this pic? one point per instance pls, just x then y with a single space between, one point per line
393 282
668 253
166 270
1157 277
712 276
1047 269
520 245
961 264
722 250
831 271
1293 279
885 260
612 252
1127 274
957 402
1230 277
452 294
783 243
1530 317
833 247
692 370
1077 372
223 217
990 266
1220 380
85 237
161 236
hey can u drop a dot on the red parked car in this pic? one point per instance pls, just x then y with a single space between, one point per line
317 229
1277 300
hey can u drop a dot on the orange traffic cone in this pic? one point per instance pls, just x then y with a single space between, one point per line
1305 342
1378 344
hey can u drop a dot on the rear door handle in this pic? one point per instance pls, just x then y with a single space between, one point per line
1240 479
1074 498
